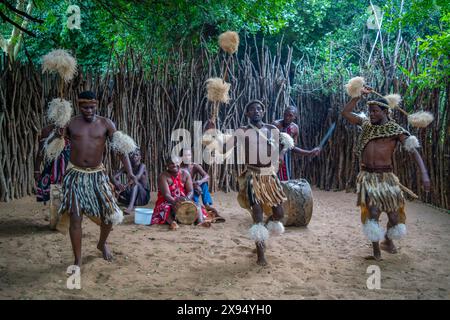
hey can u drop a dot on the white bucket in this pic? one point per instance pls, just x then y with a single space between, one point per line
143 216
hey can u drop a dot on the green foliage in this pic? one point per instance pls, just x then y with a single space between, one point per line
330 38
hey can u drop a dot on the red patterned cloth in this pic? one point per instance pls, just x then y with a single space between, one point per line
163 207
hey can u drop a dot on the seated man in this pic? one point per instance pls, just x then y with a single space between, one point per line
200 186
137 194
174 185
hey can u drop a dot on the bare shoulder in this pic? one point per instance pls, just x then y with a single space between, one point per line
197 167
75 121
270 126
277 123
106 122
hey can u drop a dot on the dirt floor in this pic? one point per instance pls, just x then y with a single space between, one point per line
323 261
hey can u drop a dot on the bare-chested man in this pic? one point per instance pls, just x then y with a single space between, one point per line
259 185
86 186
288 126
379 190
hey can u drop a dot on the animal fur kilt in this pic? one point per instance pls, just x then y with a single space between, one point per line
382 190
89 190
260 186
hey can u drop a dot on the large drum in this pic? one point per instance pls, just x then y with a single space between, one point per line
186 212
299 206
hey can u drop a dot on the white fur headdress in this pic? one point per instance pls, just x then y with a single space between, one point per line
229 41
59 112
60 61
217 90
354 86
122 143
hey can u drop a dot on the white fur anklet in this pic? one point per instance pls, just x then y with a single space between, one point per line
373 231
275 227
259 233
397 232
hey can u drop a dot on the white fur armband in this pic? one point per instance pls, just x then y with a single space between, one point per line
259 233
287 141
275 227
411 143
53 149
122 143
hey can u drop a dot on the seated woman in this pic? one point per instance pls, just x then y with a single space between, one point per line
136 194
174 185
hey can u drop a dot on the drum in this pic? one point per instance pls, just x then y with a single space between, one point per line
299 205
297 208
186 212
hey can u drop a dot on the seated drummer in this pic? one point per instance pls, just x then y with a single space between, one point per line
174 185
136 194
200 186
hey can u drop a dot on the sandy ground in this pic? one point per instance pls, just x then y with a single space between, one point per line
323 261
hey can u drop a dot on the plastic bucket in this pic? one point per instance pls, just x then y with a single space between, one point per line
143 216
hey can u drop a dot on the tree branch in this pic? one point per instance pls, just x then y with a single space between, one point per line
20 12
6 19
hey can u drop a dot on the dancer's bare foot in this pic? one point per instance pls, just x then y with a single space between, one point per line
388 246
107 255
376 258
376 252
260 248
173 226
